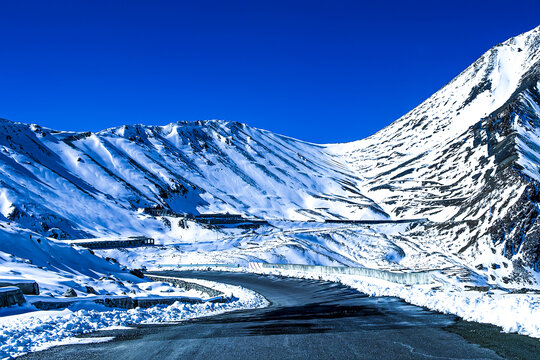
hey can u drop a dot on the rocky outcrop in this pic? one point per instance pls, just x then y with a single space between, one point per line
28 287
10 296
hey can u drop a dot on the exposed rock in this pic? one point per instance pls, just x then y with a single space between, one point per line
137 272
11 295
70 292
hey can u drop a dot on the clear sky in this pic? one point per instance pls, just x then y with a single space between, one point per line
320 71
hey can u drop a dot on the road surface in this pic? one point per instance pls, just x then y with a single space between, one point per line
306 320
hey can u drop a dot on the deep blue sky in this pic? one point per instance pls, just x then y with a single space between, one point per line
321 71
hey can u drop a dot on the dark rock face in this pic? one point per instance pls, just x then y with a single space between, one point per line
70 293
10 296
518 230
137 272
27 287
510 222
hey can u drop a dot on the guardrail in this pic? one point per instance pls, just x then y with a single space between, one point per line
407 278
164 266
124 302
375 222
97 244
187 285
399 277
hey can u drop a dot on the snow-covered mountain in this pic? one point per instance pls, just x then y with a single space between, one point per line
75 184
466 159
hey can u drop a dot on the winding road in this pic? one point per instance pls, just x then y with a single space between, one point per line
307 319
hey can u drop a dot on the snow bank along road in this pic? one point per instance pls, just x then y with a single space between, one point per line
307 319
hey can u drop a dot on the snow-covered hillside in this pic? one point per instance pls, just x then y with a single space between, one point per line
430 160
466 160
74 184
57 266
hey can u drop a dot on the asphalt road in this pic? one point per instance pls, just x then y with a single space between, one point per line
306 320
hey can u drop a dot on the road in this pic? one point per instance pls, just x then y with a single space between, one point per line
306 320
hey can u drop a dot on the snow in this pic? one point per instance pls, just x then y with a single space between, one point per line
8 289
517 313
458 164
161 288
92 185
56 267
39 330
314 243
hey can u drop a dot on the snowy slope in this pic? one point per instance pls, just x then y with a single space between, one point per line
74 184
467 159
57 266
424 154
465 163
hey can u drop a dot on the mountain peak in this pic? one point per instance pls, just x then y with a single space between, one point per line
467 158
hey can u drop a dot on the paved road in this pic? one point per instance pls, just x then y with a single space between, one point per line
307 320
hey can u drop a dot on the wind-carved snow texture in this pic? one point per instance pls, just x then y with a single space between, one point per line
466 160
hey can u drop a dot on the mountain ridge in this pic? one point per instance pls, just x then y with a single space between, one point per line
466 159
